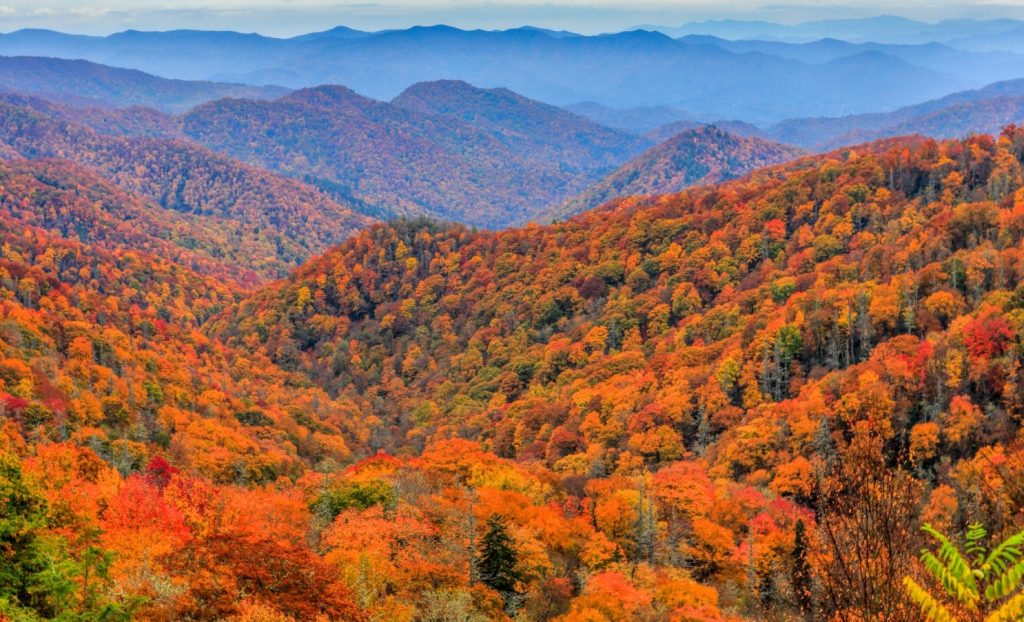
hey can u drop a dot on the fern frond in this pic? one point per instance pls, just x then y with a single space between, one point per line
975 536
958 581
933 610
976 532
953 566
1010 611
1006 583
1006 553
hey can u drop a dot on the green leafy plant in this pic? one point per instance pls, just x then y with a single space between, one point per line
976 583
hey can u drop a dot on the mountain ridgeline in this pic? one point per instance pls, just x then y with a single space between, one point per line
637 393
981 111
418 155
484 157
842 333
527 126
627 69
263 222
446 149
84 83
701 156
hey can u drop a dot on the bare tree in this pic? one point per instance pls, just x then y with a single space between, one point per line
868 536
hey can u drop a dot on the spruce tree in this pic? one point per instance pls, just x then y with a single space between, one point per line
498 558
801 569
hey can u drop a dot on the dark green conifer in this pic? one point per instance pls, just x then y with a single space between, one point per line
496 567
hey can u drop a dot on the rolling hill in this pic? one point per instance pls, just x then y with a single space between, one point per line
740 128
260 221
103 366
668 409
81 82
981 111
486 172
772 360
66 200
731 381
528 127
703 155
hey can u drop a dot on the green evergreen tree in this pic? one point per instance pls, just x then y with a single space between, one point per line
39 579
498 558
22 516
801 576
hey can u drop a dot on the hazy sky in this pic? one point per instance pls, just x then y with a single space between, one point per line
289 17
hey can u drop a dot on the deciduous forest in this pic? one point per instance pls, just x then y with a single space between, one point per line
715 321
742 401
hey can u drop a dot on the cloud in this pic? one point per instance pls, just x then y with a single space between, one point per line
89 12
7 10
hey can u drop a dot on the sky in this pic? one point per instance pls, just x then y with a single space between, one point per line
291 17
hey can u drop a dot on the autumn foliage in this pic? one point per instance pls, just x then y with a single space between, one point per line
738 402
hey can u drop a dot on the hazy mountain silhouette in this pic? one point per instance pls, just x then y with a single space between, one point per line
623 70
981 111
84 82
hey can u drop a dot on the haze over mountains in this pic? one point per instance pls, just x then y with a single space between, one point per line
968 34
495 157
637 68
431 152
448 149
981 111
445 149
86 83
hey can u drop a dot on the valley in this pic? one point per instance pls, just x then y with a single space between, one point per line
732 331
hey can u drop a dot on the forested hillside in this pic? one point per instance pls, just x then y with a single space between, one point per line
415 158
856 313
260 221
308 169
106 382
688 408
530 128
701 155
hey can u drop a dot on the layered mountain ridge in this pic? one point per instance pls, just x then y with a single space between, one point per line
252 371
701 156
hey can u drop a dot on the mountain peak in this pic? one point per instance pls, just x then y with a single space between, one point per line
695 156
338 32
444 86
327 96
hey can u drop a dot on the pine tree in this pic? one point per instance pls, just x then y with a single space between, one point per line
39 578
498 559
801 569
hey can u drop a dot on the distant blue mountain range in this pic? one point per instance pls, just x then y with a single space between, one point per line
707 77
968 34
